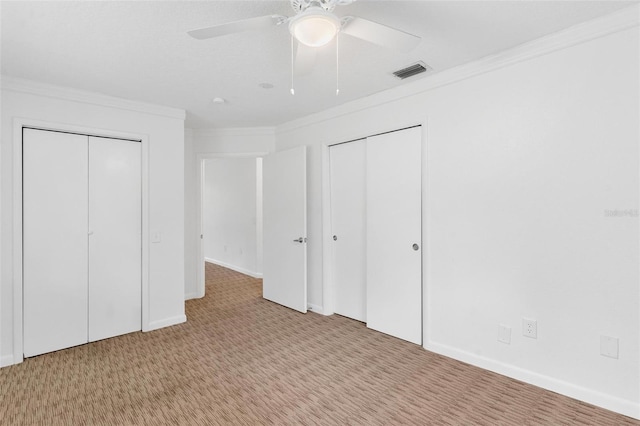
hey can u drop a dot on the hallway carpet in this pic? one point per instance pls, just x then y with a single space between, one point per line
243 360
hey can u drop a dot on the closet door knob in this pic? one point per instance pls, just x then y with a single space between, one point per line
416 247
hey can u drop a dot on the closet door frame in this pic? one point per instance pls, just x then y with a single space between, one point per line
328 281
18 125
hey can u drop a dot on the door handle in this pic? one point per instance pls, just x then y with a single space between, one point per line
416 247
300 240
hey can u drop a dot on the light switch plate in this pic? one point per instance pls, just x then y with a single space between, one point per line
504 334
609 346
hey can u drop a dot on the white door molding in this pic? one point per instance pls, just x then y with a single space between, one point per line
17 243
328 282
200 169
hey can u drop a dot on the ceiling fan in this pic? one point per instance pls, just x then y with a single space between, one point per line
315 25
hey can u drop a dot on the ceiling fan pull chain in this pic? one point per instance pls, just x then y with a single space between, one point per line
293 92
337 65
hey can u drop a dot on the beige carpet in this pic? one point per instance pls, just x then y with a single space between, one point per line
242 360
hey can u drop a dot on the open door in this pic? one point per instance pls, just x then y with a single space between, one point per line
284 177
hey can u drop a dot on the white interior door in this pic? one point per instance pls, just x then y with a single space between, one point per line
115 230
285 228
55 213
394 211
348 175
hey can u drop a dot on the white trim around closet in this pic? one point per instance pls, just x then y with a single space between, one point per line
328 283
200 169
18 125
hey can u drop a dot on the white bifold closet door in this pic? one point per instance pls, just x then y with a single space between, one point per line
393 234
348 173
55 242
115 229
81 239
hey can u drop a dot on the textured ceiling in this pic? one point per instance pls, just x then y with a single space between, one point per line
139 50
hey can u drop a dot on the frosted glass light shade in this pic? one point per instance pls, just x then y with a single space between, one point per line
314 27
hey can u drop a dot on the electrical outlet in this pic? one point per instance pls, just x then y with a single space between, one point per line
609 346
504 334
530 328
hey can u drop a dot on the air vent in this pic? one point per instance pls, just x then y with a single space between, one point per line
412 70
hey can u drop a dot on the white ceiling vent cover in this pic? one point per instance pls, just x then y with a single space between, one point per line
417 68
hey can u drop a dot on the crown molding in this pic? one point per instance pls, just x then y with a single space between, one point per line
69 94
236 131
620 20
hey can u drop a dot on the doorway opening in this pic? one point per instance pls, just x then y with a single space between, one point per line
230 214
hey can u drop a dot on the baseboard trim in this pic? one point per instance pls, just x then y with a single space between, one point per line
192 295
618 405
234 268
317 309
167 322
6 361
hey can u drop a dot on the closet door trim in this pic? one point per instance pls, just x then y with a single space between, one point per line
17 244
328 281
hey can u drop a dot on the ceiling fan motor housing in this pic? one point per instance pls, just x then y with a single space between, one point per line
302 5
314 26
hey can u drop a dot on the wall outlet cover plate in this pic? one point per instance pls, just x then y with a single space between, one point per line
530 328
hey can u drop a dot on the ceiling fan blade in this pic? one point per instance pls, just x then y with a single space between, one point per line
379 34
305 59
238 26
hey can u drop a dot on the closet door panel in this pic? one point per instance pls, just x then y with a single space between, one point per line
348 227
54 241
394 228
115 228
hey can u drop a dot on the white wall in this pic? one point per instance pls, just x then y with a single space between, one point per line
230 213
164 128
234 140
526 151
213 143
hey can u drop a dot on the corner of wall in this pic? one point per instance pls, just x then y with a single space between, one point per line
318 309
166 322
6 361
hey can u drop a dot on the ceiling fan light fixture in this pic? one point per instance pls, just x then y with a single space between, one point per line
314 27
